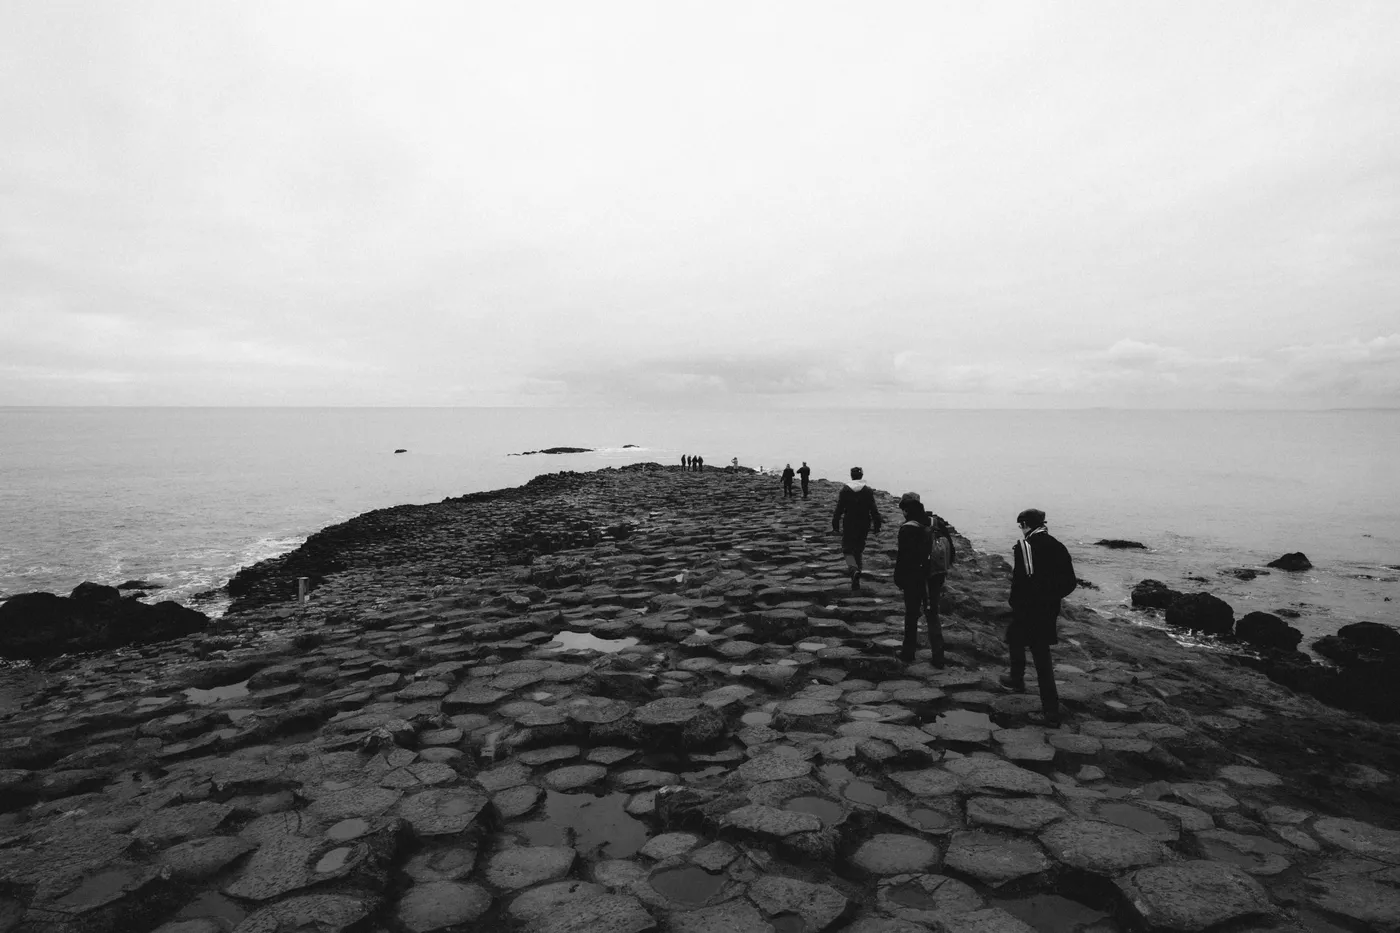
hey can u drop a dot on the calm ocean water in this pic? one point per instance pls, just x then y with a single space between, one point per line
183 497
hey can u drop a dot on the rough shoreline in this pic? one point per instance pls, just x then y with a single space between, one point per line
404 752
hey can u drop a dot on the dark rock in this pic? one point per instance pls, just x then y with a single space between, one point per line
1244 573
138 585
1153 594
1119 544
401 450
94 618
1295 561
1264 630
1085 584
1373 636
1201 612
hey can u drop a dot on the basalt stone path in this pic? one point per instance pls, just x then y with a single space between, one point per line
414 751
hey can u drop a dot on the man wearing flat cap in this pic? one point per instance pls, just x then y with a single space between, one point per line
1042 576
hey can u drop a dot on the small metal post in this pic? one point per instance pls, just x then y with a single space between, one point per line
301 589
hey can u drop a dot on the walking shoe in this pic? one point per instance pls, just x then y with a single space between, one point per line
1015 686
855 581
1044 719
939 661
906 657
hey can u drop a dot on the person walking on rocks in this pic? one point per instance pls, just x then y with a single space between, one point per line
685 461
699 462
856 504
941 558
788 474
911 566
1042 576
805 472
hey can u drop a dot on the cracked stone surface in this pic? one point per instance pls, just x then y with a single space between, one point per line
407 752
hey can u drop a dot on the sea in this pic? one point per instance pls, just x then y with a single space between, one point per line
183 497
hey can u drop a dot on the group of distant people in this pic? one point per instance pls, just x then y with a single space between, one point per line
1042 576
789 474
695 462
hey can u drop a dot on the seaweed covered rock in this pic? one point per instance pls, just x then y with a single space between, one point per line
1201 612
1266 630
1153 594
93 618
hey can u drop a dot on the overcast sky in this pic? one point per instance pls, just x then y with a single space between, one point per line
502 203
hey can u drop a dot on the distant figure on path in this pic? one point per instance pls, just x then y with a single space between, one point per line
788 475
805 472
1043 575
856 504
911 565
685 461
699 462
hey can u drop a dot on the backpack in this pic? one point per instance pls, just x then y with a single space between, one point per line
941 553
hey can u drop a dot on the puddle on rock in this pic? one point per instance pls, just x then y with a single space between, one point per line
1249 861
1051 913
828 811
966 717
585 641
913 895
216 694
587 823
930 819
788 923
866 793
756 718
1134 818
690 885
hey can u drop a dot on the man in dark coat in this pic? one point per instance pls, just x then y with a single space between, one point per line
856 504
1043 575
788 474
805 472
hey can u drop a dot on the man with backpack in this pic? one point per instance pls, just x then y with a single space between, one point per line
1043 575
942 555
788 475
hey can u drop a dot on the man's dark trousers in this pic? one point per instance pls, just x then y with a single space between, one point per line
1019 643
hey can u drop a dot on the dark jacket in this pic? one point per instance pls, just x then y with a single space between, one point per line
856 505
804 471
911 562
788 474
1038 585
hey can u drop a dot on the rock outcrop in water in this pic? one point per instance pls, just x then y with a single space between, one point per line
1296 561
92 618
407 752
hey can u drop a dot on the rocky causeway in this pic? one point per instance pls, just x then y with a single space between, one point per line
646 699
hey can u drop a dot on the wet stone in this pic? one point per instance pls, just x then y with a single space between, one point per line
1249 777
687 886
452 863
281 865
1359 838
736 916
439 905
669 845
818 905
1257 855
600 913
1103 848
507 775
773 767
1204 796
516 801
991 920
574 777
1359 899
999 775
924 898
442 811
1023 813
1193 896
714 857
610 755
514 869
176 824
994 859
1076 744
895 854
364 802
199 859
543 756
932 782
770 821
331 913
